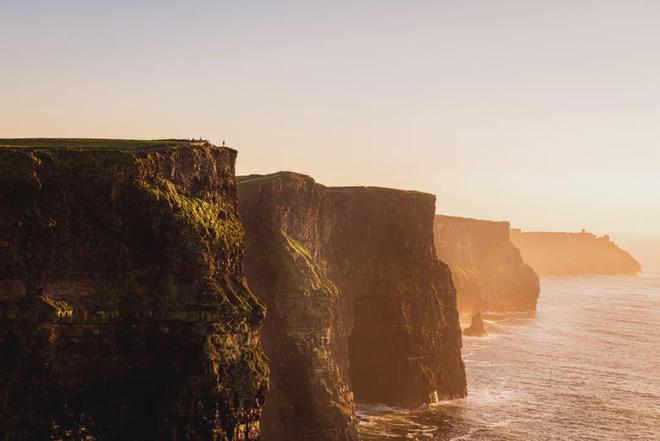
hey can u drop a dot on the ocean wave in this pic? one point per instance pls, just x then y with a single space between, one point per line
583 368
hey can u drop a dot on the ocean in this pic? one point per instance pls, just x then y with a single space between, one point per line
586 366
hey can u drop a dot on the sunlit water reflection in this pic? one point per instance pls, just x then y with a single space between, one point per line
586 367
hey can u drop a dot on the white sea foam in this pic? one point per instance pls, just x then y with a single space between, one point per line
586 367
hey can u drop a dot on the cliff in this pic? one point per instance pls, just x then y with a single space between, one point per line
357 302
558 254
405 346
488 270
308 322
124 312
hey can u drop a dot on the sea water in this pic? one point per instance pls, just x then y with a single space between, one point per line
586 366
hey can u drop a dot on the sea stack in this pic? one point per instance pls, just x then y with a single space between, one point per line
476 328
358 303
570 254
124 312
488 270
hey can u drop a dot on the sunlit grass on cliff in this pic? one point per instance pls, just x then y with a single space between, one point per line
91 143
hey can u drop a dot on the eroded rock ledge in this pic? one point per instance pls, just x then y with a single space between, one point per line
488 270
357 302
124 312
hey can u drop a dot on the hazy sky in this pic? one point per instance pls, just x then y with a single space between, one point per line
544 113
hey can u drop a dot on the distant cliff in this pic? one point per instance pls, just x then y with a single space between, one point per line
487 268
357 302
124 312
555 254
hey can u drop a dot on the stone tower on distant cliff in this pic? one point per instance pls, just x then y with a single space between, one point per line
555 254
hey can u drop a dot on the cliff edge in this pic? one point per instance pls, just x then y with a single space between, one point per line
488 270
308 322
569 254
124 312
358 303
405 348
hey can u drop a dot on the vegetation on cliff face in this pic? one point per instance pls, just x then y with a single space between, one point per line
303 333
213 225
487 268
92 143
124 312
350 277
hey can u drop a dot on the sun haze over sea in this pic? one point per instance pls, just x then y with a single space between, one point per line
542 113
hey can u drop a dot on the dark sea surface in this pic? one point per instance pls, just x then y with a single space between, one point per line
585 367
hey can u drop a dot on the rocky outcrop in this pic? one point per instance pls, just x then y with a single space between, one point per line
476 328
356 297
487 268
568 254
124 312
305 334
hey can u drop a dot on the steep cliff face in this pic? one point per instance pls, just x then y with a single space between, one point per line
556 254
487 268
124 312
405 346
306 329
355 295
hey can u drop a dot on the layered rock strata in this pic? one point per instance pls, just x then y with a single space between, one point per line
405 346
357 302
488 270
308 322
124 312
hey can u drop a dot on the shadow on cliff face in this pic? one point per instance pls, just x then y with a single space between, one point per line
124 313
350 278
306 327
405 346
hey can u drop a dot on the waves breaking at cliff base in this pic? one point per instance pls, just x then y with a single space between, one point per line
585 367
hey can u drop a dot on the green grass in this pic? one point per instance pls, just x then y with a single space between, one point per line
244 179
91 143
256 177
209 220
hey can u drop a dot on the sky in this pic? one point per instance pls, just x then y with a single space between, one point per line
546 114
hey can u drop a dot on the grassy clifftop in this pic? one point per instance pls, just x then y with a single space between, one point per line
121 277
95 143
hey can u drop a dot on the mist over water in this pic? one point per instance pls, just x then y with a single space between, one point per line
586 367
